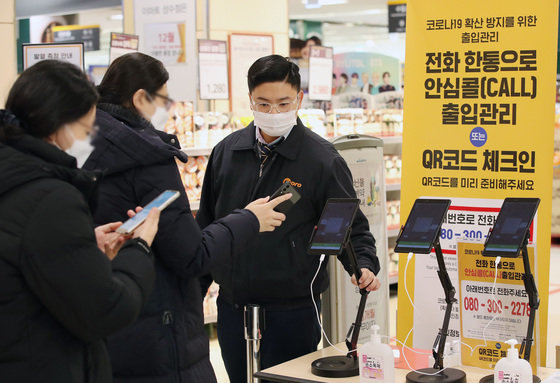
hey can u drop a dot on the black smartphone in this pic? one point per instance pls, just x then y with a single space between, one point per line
286 188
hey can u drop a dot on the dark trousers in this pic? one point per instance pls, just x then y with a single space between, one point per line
287 335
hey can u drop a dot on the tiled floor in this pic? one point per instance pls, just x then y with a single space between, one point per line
553 320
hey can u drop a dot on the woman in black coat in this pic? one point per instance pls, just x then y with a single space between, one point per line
59 294
168 342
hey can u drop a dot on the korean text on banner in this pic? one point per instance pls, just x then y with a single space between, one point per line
478 122
491 313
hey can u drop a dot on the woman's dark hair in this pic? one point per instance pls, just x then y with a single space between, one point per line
273 68
129 73
46 96
315 39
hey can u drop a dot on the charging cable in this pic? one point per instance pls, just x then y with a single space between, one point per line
498 259
410 255
317 309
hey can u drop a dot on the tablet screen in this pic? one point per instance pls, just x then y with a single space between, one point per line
422 226
333 227
511 227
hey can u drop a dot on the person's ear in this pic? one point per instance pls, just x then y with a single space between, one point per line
250 101
300 98
139 99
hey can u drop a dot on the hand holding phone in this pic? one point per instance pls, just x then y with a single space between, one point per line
160 202
285 206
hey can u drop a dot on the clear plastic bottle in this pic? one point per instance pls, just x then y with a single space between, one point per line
377 363
512 369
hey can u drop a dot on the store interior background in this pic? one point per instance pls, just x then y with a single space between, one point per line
346 26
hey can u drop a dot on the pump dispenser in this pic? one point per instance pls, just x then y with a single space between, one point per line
377 363
512 368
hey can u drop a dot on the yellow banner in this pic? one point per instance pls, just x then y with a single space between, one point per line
494 305
478 120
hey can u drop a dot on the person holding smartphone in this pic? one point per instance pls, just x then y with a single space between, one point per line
60 296
168 342
275 272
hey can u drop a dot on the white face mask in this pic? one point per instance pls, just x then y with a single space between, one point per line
275 124
160 117
80 149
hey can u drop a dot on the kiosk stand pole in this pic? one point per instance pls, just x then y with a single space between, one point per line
439 344
355 328
438 373
345 366
534 302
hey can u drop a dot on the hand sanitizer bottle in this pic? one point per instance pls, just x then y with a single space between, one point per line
377 363
512 369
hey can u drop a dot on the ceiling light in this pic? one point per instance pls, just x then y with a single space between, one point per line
309 4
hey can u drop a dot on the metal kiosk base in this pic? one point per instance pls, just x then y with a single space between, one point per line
448 375
339 366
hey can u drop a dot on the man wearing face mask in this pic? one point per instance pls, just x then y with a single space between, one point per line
275 272
168 342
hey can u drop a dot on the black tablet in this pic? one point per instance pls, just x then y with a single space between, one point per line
422 226
511 227
334 226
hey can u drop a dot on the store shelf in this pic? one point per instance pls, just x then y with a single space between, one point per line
392 187
394 277
392 233
195 152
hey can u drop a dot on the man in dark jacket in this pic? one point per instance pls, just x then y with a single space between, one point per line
275 272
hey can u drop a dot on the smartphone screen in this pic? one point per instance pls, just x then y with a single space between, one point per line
161 202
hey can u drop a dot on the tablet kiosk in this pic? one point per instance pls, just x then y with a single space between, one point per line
511 228
419 235
508 238
422 226
334 226
330 237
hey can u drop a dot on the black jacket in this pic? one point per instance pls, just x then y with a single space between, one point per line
59 294
276 271
168 342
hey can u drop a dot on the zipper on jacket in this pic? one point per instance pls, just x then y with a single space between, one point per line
167 320
261 168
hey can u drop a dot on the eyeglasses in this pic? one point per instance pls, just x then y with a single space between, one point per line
90 129
168 101
266 107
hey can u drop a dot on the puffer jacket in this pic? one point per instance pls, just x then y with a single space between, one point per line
168 342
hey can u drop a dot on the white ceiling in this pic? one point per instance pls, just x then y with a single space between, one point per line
357 26
370 12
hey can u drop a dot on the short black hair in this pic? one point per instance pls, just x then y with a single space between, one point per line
386 73
129 73
355 75
344 76
46 96
273 68
315 39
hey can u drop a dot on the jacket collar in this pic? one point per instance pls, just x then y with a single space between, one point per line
289 148
132 141
28 158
